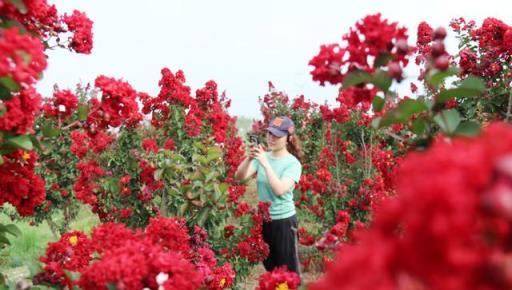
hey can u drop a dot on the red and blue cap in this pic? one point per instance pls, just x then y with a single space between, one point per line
281 126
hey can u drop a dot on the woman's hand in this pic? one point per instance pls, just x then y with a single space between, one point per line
258 153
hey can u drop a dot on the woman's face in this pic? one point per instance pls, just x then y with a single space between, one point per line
274 142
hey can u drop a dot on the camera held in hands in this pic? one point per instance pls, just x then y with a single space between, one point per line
254 139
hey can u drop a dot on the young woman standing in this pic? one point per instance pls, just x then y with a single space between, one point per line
277 171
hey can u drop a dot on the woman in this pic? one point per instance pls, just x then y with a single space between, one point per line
277 171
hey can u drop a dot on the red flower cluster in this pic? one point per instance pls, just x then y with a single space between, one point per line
21 57
251 246
160 257
20 186
170 233
448 231
494 35
278 279
305 238
147 176
63 104
40 18
82 142
118 105
173 91
20 112
81 26
43 20
86 186
72 252
142 264
333 238
370 39
425 34
494 50
431 49
150 145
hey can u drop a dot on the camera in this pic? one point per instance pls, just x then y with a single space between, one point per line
253 139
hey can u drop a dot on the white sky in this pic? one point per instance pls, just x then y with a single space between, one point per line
239 44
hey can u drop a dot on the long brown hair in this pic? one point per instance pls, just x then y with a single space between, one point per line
293 146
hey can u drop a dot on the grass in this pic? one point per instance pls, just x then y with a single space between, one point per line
26 249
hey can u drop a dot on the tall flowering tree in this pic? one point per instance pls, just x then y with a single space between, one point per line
27 29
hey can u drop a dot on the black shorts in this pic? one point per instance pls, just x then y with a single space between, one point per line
282 239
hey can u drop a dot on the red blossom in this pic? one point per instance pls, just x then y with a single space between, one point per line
22 57
81 27
20 186
150 145
21 111
63 104
279 278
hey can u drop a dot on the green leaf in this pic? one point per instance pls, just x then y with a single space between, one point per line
203 216
10 84
1 160
418 126
49 131
376 122
468 129
216 192
470 87
83 110
202 160
448 120
36 142
214 153
382 59
5 94
356 77
22 141
13 230
200 146
402 112
378 104
183 209
437 77
223 187
4 240
19 5
382 80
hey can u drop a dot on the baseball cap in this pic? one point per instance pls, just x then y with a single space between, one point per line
281 126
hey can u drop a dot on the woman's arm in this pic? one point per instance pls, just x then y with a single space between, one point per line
279 186
245 170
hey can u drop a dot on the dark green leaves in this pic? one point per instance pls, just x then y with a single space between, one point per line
7 87
49 131
380 79
402 112
437 77
469 87
378 104
21 141
451 124
448 120
8 229
468 129
355 78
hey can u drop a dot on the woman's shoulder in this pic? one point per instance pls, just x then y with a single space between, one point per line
294 159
